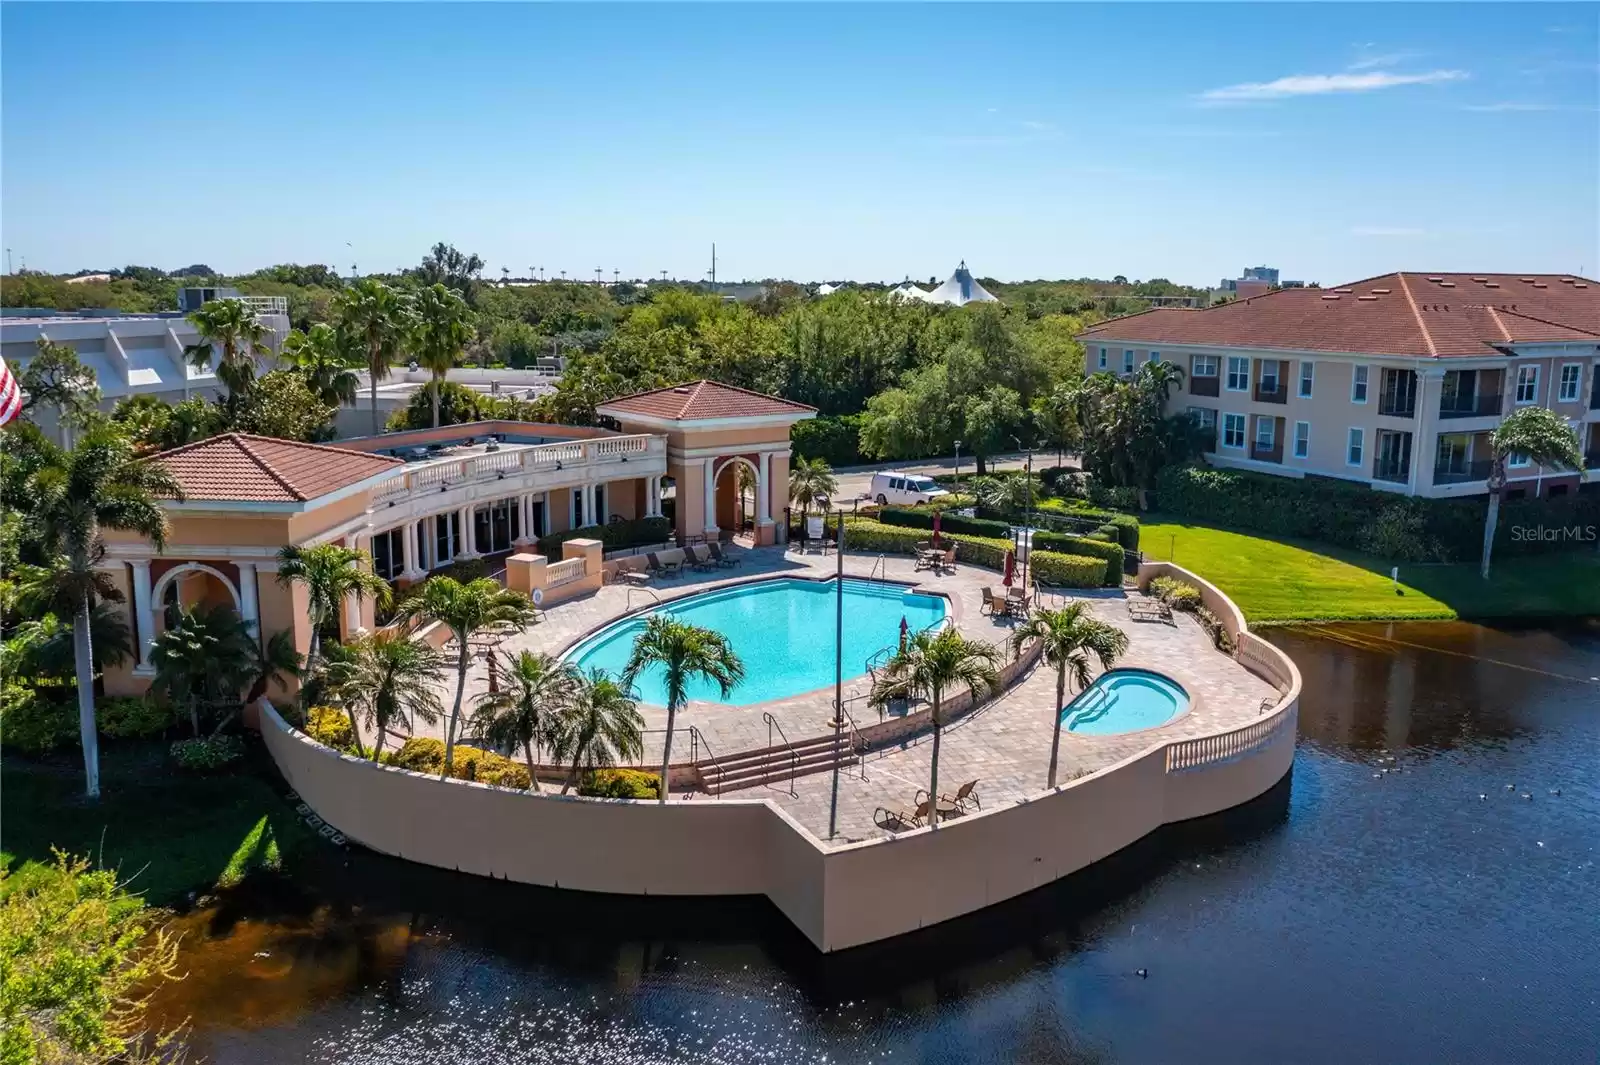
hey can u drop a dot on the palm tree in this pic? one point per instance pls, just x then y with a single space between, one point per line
203 660
809 481
375 319
392 678
747 484
275 659
1068 637
929 666
71 496
536 689
43 646
1536 434
330 574
322 360
442 330
464 609
686 652
600 727
233 327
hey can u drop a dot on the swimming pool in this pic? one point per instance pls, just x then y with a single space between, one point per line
782 629
1124 700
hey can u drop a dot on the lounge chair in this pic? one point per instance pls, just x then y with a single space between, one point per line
947 806
894 820
664 568
1149 609
700 561
726 561
966 795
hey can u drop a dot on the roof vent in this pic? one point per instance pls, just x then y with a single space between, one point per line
1380 291
1480 280
1330 297
1447 284
1540 284
1579 284
1529 280
1569 281
1491 284
1436 279
682 390
1367 299
1346 291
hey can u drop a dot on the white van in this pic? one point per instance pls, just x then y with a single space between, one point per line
896 486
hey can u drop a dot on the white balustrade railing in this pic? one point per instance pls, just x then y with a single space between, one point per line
539 458
565 455
1225 746
438 473
559 573
391 488
617 446
487 464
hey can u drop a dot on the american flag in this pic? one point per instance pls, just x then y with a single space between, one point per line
10 394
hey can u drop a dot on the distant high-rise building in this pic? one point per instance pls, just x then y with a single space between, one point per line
1269 274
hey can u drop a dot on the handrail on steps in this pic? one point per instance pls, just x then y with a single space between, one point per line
857 745
794 756
880 569
697 740
627 605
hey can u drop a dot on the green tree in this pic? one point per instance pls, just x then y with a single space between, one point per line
443 328
390 677
536 689
233 327
458 404
203 659
931 666
444 265
1537 434
376 320
811 480
42 647
1067 638
276 658
1127 439
55 378
599 727
73 495
465 609
282 405
685 653
329 573
322 360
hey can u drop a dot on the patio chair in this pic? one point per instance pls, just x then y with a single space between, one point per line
725 560
1017 602
993 605
894 820
1148 609
946 562
947 806
699 561
966 795
664 567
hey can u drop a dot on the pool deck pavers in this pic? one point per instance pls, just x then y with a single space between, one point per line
1005 744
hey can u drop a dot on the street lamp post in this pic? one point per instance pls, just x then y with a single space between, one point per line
958 467
1027 565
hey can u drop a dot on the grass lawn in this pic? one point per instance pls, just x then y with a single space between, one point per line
1276 581
167 832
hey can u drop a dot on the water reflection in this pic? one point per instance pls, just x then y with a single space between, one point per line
1391 900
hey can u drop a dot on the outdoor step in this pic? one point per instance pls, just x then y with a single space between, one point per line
774 773
803 748
774 765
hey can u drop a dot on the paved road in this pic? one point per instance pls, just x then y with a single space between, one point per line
855 480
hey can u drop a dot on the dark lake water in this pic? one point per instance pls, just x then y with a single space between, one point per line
1423 888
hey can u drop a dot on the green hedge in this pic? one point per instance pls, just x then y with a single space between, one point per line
36 724
1064 544
618 534
837 440
1067 571
922 518
1340 513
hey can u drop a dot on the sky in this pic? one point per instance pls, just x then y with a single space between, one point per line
824 142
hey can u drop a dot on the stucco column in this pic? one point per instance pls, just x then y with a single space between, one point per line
352 603
411 551
467 548
709 523
764 490
652 496
589 516
143 612
249 609
524 519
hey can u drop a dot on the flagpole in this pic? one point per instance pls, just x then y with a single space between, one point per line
838 677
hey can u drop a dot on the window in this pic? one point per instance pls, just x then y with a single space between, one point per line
1358 385
1204 417
1233 430
1307 371
1518 460
1266 433
1155 356
1571 377
1269 375
1356 446
1238 374
1104 363
1302 439
1527 384
1204 366
1127 360
576 510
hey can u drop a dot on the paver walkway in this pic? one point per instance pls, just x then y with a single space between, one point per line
1005 744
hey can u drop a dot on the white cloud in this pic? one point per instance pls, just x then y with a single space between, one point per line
1372 62
1388 231
1508 105
1324 84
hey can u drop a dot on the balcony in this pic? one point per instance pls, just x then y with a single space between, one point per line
1203 386
1267 454
1278 394
1462 472
575 461
1469 406
1397 406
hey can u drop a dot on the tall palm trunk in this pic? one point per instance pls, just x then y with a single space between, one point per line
1055 731
83 655
312 654
533 781
1489 525
666 748
572 777
355 727
455 711
372 386
933 772
437 384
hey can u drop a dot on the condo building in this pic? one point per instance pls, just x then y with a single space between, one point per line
1396 381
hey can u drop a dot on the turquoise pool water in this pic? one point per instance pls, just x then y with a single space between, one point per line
1124 700
782 629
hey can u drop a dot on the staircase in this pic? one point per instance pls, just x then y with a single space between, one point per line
774 765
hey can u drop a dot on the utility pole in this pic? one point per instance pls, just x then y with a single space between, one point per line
8 261
663 275
597 272
713 264
838 676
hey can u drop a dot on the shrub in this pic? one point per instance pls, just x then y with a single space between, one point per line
208 753
470 763
621 784
330 727
922 518
1127 527
1212 625
132 718
1398 533
838 439
1063 570
1067 571
617 534
1179 595
1067 544
35 723
1117 497
418 753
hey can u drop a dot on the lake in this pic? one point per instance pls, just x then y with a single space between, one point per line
1423 887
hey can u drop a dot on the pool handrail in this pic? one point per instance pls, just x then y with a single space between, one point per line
697 740
794 756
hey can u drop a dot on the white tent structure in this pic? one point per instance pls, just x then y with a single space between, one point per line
826 289
908 291
960 289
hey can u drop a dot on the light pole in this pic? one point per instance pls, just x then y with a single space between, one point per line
958 467
838 677
1027 565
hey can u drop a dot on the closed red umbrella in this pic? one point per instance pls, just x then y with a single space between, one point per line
936 529
905 632
1011 567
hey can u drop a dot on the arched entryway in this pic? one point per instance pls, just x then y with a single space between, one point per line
195 584
738 488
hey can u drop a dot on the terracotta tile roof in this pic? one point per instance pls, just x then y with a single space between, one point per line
1424 315
238 467
703 399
